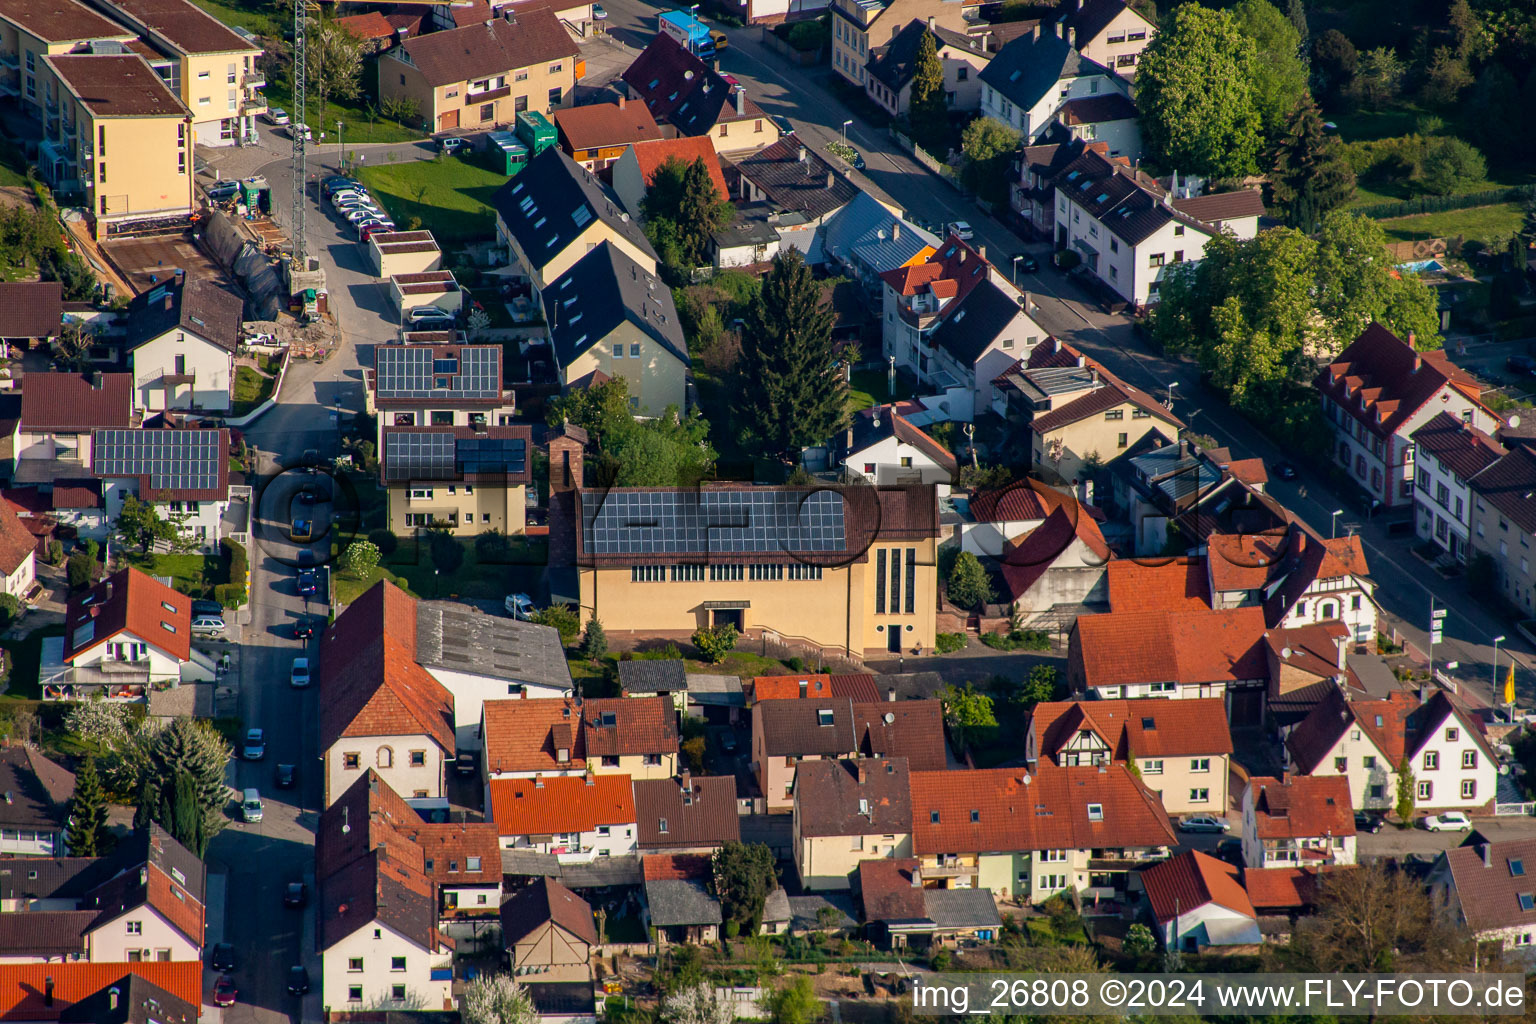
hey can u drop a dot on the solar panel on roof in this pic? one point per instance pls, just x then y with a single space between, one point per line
403 371
719 522
412 456
171 459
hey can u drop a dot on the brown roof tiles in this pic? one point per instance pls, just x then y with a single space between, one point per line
1302 807
668 816
117 85
489 49
67 402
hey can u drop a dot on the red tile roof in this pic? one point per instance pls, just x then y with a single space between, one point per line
702 815
794 728
1221 206
996 810
679 867
527 735
950 273
133 602
368 26
1149 727
546 900
1465 450
23 986
370 683
368 816
1200 646
688 148
30 309
852 687
1250 561
1020 501
556 804
1487 889
1380 381
71 402
887 889
1249 471
1111 392
16 542
605 125
1312 648
1176 585
867 796
1190 880
1271 889
1302 807
1029 557
447 848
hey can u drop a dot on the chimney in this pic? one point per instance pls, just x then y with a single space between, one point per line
896 232
565 454
741 102
1093 376
1072 38
1057 27
620 102
1035 32
96 381
112 994
890 694
981 251
48 991
933 23
863 773
829 179
687 781
1183 449
1411 345
1342 643
848 440
917 876
801 155
1485 851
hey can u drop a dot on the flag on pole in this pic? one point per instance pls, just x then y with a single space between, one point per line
1509 685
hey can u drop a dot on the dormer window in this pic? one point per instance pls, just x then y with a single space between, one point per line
824 716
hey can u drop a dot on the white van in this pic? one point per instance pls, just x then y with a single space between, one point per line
250 806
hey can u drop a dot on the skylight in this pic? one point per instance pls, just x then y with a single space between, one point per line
1527 901
1516 866
824 716
933 817
582 215
1095 812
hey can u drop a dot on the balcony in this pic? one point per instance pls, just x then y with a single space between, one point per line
9 88
254 81
164 379
470 99
10 59
87 154
949 869
68 130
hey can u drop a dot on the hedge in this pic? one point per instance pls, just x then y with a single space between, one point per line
1439 204
232 594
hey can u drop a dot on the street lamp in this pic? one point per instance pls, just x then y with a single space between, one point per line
1171 385
341 150
1333 526
1016 269
845 130
693 33
1496 641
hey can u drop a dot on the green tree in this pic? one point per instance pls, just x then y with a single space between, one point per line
1378 77
1296 14
1042 684
1334 60
562 618
1356 285
741 878
1139 940
970 714
988 145
181 815
1451 163
795 1002
928 108
81 570
1528 222
1311 174
683 195
1488 103
446 553
1280 78
715 642
793 392
696 1004
86 834
1196 94
968 585
595 643
1446 78
140 523
1405 791
185 760
496 999
360 558
670 450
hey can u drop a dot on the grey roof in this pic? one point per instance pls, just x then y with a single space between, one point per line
776 907
896 62
862 229
210 310
429 372
45 933
793 177
715 690
530 862
60 878
601 872
1027 69
31 801
680 901
984 314
805 911
551 204
652 675
752 224
1090 17
603 290
1126 200
463 639
961 908
131 1000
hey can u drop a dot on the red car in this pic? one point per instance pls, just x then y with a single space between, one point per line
224 991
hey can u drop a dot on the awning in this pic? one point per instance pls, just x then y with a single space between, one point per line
719 606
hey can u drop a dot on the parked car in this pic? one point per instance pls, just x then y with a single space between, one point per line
1230 850
361 214
276 115
464 762
960 229
222 190
598 13
295 130
298 980
1026 263
204 607
222 957
298 675
303 629
296 895
421 313
308 582
728 742
1525 366
255 747
1284 470
1365 821
1203 823
1448 821
369 228
345 191
302 531
338 182
519 606
207 625
785 126
250 806
452 144
224 991
285 776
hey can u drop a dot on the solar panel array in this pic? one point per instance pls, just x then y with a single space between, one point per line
714 522
409 455
411 372
172 459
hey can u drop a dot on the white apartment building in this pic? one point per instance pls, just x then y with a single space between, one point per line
1449 453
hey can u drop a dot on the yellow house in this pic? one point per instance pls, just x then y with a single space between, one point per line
209 65
846 812
484 75
837 569
610 315
33 29
128 139
1097 419
464 479
555 212
858 28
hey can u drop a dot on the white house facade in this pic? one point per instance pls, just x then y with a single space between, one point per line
376 967
412 764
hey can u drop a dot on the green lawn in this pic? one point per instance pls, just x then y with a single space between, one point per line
23 658
871 386
239 14
411 566
193 574
349 588
251 389
449 196
1481 222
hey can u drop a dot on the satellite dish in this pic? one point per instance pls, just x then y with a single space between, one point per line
687 76
1285 652
1514 420
1503 769
1027 780
890 717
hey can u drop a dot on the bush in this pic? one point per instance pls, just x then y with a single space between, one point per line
239 565
10 608
732 929
714 644
493 548
562 618
384 540
693 750
595 644
1451 162
55 552
941 960
446 552
949 643
968 585
808 36
81 570
360 558
230 595
1018 640
795 664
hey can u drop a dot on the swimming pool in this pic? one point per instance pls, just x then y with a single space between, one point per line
1421 266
